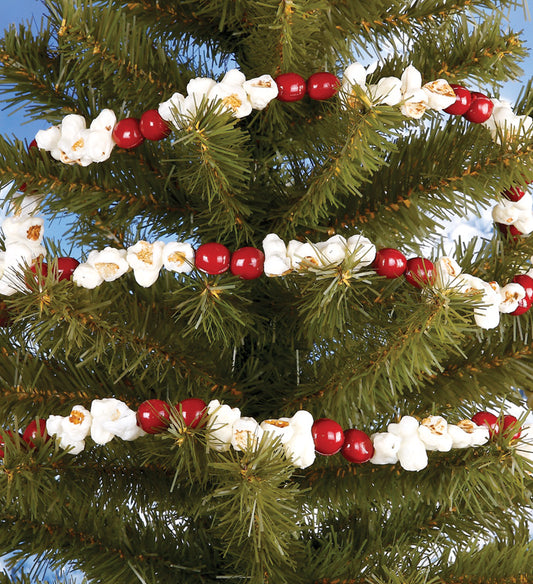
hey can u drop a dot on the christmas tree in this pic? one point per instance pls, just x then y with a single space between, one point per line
241 363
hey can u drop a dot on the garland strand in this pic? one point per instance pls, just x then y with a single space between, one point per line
406 442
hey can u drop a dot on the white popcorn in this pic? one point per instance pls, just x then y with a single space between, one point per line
198 91
246 434
110 263
415 99
506 212
168 109
524 224
354 74
333 251
440 94
299 252
524 203
300 447
71 430
73 143
510 296
112 417
386 446
361 251
277 262
433 431
220 425
524 446
146 260
386 91
178 257
16 258
446 272
280 427
233 99
261 91
87 276
23 229
412 453
503 122
488 315
466 434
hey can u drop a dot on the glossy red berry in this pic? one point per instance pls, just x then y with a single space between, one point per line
35 433
35 280
212 258
247 263
291 86
509 231
193 411
510 422
513 194
153 126
127 133
328 436
153 416
389 262
480 108
65 267
322 85
463 99
527 284
5 317
420 272
357 446
487 419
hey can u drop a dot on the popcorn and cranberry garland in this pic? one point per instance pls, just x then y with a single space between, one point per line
406 442
72 142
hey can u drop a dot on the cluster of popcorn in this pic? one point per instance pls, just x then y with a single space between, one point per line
513 298
71 142
281 259
23 235
407 91
145 259
504 122
233 94
409 441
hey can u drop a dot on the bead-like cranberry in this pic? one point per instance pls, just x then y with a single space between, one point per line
291 86
420 272
480 108
153 416
357 446
527 284
247 263
35 280
35 433
509 231
65 267
487 419
463 99
127 133
389 262
511 423
513 194
322 85
9 436
153 126
193 411
327 436
212 258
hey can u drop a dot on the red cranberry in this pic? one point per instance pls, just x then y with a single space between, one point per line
193 411
127 133
487 419
328 436
480 108
247 263
510 422
33 435
291 86
153 416
357 446
527 283
420 272
322 85
153 126
212 258
514 193
390 262
463 100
